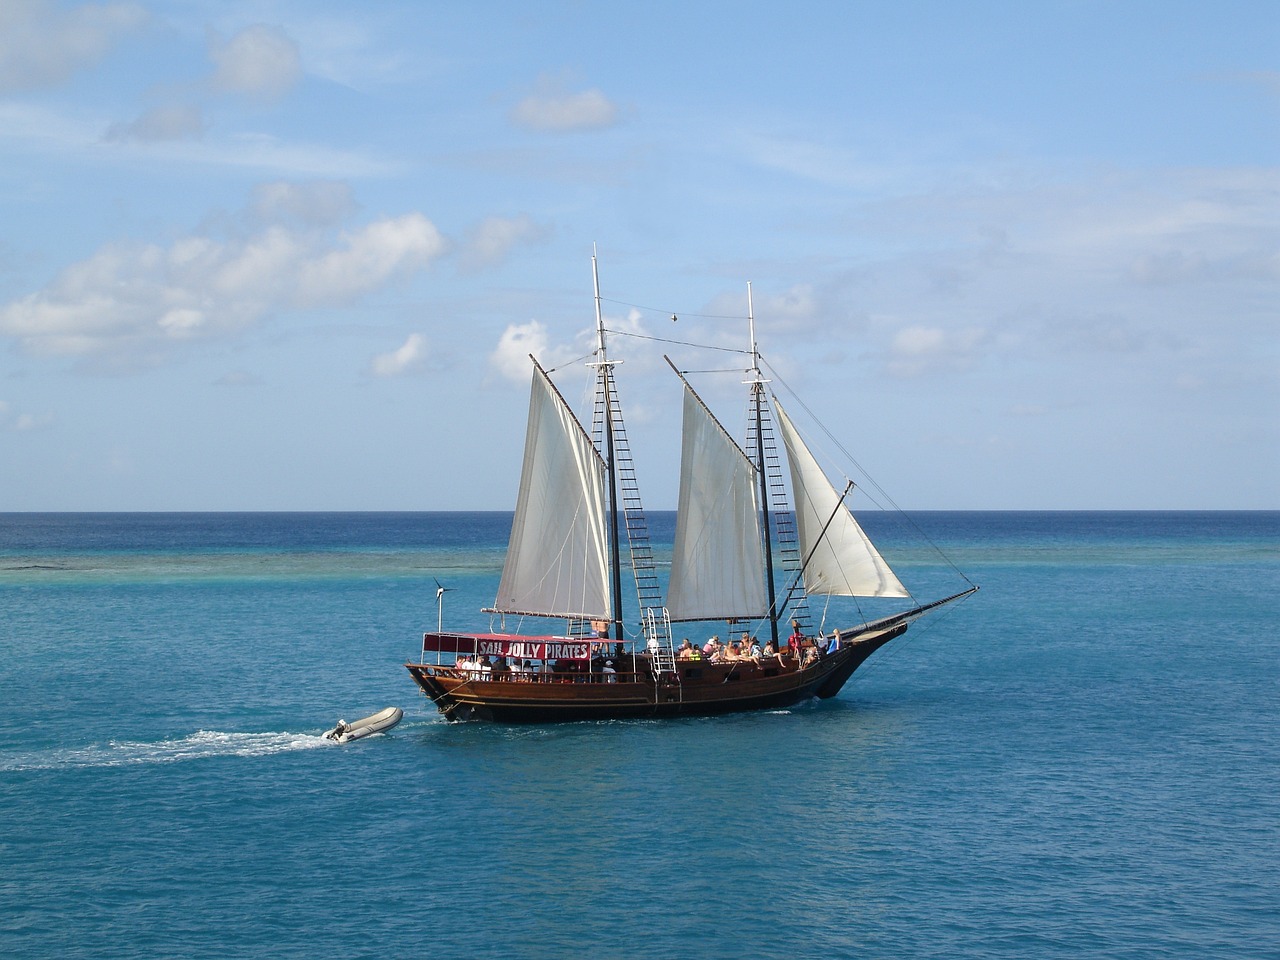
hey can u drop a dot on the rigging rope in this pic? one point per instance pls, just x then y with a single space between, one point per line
871 480
680 343
889 653
673 313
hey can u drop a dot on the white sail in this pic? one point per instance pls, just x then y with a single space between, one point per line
717 562
557 560
842 562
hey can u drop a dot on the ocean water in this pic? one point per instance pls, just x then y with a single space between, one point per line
1081 761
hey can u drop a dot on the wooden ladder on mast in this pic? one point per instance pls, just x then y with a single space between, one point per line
654 622
785 539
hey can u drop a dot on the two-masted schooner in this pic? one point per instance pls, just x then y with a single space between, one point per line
737 539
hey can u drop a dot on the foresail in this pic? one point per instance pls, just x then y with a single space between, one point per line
717 562
841 561
557 559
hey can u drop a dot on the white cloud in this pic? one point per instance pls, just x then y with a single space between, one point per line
490 242
554 110
511 357
132 296
408 358
42 43
259 61
382 251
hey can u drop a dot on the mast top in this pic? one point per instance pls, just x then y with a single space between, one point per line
602 357
757 379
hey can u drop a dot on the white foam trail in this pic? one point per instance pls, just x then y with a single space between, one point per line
199 745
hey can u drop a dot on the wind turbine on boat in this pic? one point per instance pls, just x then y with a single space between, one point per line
441 590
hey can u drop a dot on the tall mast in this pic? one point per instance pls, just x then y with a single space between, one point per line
757 383
606 376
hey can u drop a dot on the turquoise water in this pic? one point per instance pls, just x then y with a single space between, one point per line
1081 761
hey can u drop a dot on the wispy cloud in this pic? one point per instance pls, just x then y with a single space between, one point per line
1098 263
259 61
1268 80
317 203
553 109
170 122
131 296
19 420
359 48
43 132
820 162
238 378
494 238
917 350
409 357
42 44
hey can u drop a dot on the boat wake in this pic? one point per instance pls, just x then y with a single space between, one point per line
199 745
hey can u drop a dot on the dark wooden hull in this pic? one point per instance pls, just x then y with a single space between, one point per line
701 689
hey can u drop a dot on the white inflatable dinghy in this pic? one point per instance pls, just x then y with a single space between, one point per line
382 720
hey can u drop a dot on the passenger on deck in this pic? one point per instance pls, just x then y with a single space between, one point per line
753 649
796 640
610 674
710 647
686 650
771 652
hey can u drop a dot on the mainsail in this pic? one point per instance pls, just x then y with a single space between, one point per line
557 560
717 561
840 560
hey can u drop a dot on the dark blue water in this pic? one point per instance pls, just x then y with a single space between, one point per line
1081 761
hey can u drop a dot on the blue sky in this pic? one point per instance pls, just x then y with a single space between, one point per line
291 255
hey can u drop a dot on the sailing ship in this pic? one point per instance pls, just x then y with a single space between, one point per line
736 534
